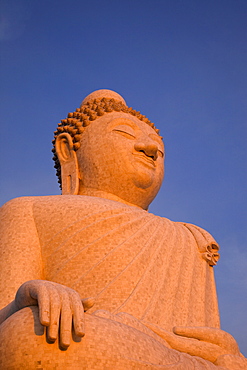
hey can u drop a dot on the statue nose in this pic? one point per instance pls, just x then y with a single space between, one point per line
150 149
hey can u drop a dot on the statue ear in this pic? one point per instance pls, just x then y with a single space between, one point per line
70 173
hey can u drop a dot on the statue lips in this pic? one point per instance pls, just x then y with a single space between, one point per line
142 157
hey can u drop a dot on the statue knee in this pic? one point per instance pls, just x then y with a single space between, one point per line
24 322
19 335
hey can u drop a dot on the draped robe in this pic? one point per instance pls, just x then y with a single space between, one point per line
129 260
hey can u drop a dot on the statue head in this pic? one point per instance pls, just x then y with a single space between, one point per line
104 147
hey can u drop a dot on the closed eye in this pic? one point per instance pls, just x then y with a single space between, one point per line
125 131
125 134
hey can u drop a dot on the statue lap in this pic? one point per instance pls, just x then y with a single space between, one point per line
107 344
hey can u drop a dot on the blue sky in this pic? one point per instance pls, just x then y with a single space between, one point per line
182 63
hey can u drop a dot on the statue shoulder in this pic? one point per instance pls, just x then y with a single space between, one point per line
16 202
17 206
23 209
21 203
48 212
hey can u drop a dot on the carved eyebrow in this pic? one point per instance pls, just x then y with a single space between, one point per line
123 122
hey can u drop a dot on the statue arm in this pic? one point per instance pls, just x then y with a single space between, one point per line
22 281
20 252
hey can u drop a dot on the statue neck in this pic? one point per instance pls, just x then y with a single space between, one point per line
103 194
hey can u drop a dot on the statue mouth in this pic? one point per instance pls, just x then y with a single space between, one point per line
146 159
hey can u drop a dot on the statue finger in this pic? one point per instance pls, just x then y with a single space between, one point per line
41 293
65 322
55 310
78 314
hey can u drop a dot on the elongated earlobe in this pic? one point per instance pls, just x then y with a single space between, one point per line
70 173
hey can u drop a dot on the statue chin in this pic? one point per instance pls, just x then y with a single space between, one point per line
143 180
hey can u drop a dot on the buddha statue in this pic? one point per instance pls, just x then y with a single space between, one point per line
90 279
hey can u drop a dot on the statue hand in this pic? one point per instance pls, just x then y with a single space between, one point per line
205 342
59 306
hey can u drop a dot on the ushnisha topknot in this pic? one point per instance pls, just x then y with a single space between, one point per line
100 94
92 107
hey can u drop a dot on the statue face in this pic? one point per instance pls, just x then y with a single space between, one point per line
124 156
